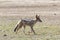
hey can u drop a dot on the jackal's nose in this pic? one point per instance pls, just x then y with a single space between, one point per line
41 21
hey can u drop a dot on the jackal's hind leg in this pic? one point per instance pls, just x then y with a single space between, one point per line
24 29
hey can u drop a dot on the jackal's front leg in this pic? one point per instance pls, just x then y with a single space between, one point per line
32 30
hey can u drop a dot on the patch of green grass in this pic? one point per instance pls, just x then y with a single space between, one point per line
44 32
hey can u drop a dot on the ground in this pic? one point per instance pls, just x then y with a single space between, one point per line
45 31
48 29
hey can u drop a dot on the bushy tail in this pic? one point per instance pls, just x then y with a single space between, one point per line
18 27
15 28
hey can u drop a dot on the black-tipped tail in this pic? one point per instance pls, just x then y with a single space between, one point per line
18 26
15 28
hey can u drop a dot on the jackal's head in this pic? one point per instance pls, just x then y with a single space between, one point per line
38 18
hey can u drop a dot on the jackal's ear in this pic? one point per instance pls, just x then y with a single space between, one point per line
37 15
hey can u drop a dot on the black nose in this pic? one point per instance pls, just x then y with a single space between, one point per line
40 21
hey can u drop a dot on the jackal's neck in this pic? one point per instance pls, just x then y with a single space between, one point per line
36 21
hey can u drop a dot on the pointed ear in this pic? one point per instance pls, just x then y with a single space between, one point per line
36 15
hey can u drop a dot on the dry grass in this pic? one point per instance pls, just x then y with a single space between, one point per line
45 30
49 29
